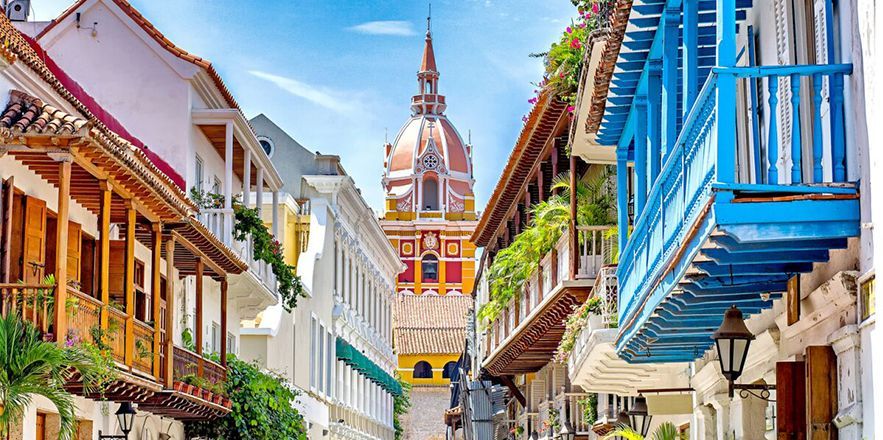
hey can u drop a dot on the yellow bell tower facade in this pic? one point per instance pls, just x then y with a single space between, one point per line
429 216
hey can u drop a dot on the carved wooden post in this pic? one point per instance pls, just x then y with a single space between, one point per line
64 197
130 283
104 251
156 282
170 312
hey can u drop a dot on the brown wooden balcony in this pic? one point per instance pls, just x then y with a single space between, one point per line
524 337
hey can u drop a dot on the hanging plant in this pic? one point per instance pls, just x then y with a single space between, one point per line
564 59
248 223
513 266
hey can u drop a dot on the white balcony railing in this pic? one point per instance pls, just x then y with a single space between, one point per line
220 222
596 248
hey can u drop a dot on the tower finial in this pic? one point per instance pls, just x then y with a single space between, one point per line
429 21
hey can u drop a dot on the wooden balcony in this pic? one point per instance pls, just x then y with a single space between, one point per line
524 337
186 401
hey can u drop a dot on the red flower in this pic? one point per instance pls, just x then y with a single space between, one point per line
575 43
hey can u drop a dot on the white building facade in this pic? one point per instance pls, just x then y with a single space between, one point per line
348 270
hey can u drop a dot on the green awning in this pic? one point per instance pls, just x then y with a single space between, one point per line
359 362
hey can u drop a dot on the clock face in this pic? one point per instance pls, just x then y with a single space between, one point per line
430 162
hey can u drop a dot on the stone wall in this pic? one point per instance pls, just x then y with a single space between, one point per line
426 421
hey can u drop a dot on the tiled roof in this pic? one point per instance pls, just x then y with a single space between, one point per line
158 36
612 39
540 125
430 324
27 114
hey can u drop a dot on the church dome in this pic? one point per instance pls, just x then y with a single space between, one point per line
410 150
428 167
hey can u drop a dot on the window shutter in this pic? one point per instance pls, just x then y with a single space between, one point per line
74 251
6 198
821 392
790 401
34 257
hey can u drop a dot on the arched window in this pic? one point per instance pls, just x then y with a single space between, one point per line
422 370
429 268
430 194
448 371
428 87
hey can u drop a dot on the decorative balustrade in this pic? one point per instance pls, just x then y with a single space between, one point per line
572 408
115 336
798 150
33 302
219 222
84 315
188 363
595 250
143 359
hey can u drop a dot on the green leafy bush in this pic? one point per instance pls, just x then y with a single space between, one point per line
266 248
262 407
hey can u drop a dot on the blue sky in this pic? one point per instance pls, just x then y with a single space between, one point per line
337 75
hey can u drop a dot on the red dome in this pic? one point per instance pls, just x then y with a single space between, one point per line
411 144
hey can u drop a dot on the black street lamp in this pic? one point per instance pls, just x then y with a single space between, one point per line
126 418
639 416
732 340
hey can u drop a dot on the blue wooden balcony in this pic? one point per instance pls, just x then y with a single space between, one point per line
730 202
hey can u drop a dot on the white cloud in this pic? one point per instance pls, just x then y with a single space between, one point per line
385 27
331 99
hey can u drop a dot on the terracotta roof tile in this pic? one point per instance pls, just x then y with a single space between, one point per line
27 114
541 123
612 40
430 324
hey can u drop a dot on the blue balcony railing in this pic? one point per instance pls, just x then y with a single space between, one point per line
707 159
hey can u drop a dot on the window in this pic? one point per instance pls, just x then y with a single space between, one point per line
329 362
448 371
429 268
231 343
422 370
320 368
199 175
267 145
216 338
430 194
313 360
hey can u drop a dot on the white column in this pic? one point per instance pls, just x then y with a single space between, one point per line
846 342
246 179
704 425
276 215
721 404
228 183
260 191
748 418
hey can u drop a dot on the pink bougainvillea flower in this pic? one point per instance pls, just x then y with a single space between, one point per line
569 30
524 118
581 25
596 8
570 108
561 75
575 43
532 100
